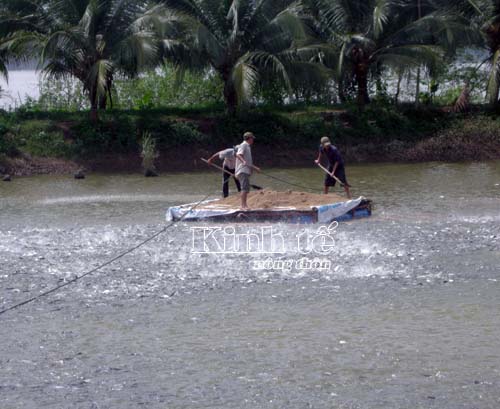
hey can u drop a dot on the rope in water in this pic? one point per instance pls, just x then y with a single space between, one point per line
107 263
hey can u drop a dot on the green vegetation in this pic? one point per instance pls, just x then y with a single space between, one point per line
92 41
379 76
149 154
262 51
378 130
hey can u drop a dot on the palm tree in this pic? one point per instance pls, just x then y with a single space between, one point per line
484 16
22 23
3 64
90 40
242 40
369 35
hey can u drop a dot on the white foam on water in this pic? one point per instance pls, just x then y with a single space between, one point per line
362 250
107 199
481 219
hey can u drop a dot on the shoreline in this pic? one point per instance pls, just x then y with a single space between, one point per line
26 166
63 143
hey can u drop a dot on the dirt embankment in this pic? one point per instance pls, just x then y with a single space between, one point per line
181 159
185 159
466 141
27 166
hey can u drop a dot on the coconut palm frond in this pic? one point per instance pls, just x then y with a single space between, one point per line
478 7
311 53
308 74
136 53
91 40
23 46
413 55
381 14
3 67
341 61
245 78
69 11
178 53
244 41
288 22
4 52
88 22
269 62
194 11
56 42
266 11
234 16
448 30
98 76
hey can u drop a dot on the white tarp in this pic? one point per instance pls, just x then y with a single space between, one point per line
176 212
330 212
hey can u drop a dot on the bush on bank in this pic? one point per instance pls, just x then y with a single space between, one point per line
379 133
476 139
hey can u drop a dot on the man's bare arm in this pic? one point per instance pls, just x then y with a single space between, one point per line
240 157
210 160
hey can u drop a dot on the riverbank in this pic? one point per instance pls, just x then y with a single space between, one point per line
62 142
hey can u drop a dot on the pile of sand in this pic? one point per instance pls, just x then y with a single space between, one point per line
268 199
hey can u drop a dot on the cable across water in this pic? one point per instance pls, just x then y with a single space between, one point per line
107 263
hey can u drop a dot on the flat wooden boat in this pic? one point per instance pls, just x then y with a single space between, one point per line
217 210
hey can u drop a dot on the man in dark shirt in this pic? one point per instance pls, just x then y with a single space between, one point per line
335 165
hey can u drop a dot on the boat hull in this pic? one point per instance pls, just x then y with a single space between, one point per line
341 211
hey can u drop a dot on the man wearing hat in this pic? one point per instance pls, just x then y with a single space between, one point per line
245 166
335 165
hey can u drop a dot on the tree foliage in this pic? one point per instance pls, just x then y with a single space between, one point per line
274 49
367 36
91 40
244 41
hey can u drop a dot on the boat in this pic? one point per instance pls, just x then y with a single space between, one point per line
325 211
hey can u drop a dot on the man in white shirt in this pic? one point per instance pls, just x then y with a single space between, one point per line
245 166
229 165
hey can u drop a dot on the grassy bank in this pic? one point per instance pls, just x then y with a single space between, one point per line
55 142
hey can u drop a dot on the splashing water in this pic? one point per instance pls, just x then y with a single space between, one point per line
400 312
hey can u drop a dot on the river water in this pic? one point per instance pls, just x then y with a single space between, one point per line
405 315
21 84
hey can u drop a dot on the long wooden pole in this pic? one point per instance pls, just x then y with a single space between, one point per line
330 174
226 171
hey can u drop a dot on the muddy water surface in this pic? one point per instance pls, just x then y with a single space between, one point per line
405 315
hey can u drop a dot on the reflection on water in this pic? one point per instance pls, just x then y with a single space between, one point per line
406 316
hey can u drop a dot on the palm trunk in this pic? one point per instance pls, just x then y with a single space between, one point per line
493 96
110 98
341 92
103 102
398 88
230 97
361 72
417 90
378 81
94 114
103 99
